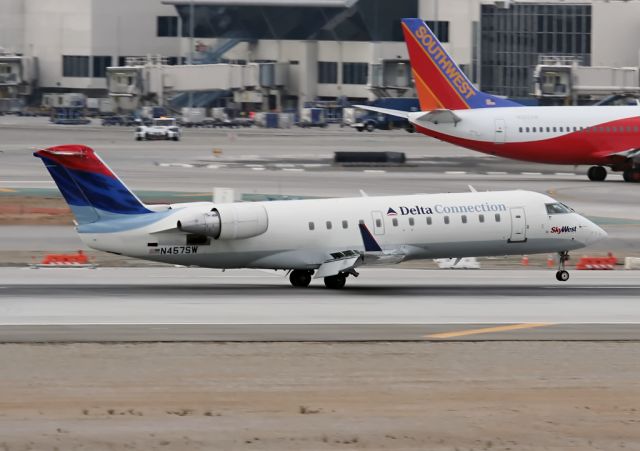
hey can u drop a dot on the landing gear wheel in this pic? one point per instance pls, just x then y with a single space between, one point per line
335 282
597 173
562 275
299 278
631 175
370 127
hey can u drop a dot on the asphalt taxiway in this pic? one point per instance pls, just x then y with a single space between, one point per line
192 304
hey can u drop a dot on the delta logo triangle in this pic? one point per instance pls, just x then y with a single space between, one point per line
391 212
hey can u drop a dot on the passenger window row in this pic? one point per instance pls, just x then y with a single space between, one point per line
411 221
627 129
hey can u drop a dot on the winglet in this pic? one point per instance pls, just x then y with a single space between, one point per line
370 243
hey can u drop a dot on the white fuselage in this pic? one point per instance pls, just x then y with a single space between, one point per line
303 234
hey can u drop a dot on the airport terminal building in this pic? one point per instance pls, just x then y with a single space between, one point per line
300 50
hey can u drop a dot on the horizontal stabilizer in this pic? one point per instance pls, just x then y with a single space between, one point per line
440 117
388 111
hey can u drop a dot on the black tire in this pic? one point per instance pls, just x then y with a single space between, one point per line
631 175
360 129
335 282
300 278
138 138
370 127
597 173
176 138
562 276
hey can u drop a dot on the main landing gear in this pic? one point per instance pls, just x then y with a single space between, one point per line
597 173
562 275
631 175
302 278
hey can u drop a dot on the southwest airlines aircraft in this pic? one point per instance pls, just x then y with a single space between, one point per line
326 238
456 112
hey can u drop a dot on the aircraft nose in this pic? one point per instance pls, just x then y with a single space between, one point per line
595 233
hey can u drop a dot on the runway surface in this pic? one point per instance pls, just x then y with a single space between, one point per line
190 304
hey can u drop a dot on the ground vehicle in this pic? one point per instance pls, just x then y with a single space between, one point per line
160 128
372 120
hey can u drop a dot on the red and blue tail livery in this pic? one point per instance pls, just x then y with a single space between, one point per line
91 189
439 81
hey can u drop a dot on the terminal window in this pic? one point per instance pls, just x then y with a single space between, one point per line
440 28
75 66
355 73
100 64
327 72
167 26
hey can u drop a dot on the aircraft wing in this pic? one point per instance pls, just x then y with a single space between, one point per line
630 153
390 112
440 117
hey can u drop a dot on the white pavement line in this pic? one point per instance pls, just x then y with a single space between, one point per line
531 173
315 165
258 168
496 173
284 165
293 169
254 165
565 173
212 166
455 172
375 171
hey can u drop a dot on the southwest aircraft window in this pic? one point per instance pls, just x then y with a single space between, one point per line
464 219
607 129
411 221
557 208
311 226
481 218
328 225
615 129
628 129
446 219
428 220
601 130
345 224
497 217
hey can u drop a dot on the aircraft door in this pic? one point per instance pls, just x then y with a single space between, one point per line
500 132
378 222
518 226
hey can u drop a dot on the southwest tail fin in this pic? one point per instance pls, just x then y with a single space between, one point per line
439 81
91 189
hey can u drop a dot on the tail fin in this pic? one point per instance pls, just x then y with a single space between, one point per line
90 188
439 81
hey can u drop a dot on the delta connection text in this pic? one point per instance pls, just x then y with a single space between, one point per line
474 208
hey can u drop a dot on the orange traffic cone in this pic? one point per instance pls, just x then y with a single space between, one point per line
525 260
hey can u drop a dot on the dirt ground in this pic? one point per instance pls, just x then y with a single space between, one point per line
313 396
34 210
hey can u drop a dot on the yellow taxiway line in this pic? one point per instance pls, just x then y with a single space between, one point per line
487 330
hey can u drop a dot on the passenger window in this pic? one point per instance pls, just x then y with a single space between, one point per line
635 129
378 222
554 129
328 225
527 129
607 129
602 129
311 226
446 219
429 220
614 129
628 129
575 129
497 217
394 221
560 129
481 218
533 129
360 221
411 221
520 129
345 224
548 130
464 219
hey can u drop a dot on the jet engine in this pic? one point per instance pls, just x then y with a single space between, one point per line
227 222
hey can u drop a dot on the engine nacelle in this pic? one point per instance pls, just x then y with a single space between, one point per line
228 222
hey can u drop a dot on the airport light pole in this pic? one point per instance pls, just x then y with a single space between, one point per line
190 54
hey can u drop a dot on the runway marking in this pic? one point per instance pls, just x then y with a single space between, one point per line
375 171
293 169
487 330
531 173
565 173
496 173
455 172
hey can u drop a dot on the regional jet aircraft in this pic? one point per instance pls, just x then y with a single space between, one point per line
324 238
456 112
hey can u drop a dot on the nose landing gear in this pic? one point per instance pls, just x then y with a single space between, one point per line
562 275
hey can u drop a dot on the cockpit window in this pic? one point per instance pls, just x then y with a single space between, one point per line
557 208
